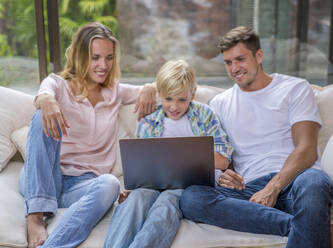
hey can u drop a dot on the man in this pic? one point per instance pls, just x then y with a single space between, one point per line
272 121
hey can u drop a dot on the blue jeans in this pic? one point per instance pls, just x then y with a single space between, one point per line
147 218
44 188
302 211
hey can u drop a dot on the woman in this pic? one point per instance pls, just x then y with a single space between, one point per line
71 140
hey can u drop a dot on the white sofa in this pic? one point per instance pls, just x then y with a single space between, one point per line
16 110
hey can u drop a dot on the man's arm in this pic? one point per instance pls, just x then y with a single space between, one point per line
305 137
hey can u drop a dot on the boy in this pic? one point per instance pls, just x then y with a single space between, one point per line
149 218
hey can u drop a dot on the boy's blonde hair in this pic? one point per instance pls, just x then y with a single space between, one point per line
175 77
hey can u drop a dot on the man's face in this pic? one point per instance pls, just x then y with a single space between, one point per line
243 67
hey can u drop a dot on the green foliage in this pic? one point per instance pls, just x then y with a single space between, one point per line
73 14
18 25
17 20
91 7
5 49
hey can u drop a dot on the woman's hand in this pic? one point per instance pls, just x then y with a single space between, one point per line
146 100
230 179
123 195
51 115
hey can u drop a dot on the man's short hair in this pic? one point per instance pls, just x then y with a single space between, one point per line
242 34
175 77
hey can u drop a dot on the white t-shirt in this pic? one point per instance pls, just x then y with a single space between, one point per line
259 123
177 128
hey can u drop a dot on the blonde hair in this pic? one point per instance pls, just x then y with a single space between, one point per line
175 77
78 58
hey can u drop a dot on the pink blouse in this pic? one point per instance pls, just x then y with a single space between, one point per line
90 145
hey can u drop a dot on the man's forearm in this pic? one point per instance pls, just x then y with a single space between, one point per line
297 161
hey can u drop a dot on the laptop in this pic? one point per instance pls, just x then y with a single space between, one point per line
167 163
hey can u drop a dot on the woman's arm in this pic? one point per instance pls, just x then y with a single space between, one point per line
51 115
143 96
146 101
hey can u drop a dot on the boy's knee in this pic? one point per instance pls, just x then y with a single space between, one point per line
143 194
169 198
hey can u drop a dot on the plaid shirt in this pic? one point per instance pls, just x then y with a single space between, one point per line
203 122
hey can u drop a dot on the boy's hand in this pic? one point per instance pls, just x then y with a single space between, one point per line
230 179
146 100
123 195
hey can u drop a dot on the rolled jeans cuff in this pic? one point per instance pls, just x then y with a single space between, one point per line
41 204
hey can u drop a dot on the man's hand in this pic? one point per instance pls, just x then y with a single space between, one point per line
146 102
51 115
123 195
267 196
230 179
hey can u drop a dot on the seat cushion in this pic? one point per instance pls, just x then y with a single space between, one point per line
16 110
324 99
12 220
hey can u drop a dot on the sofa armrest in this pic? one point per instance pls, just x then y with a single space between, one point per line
327 158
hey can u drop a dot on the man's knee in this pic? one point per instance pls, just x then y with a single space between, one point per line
313 185
314 180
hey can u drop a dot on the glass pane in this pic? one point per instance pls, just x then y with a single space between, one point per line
18 46
152 32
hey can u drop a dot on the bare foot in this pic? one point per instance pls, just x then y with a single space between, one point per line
37 233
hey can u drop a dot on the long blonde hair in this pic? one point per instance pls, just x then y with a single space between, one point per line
78 57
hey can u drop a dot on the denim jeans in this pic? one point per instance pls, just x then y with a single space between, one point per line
147 218
44 188
302 211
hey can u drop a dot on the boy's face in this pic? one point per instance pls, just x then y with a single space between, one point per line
176 106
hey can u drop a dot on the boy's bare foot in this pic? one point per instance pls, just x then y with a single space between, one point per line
37 233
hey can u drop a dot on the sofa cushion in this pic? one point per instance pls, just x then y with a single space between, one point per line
19 139
327 158
324 99
205 93
16 110
190 234
12 220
